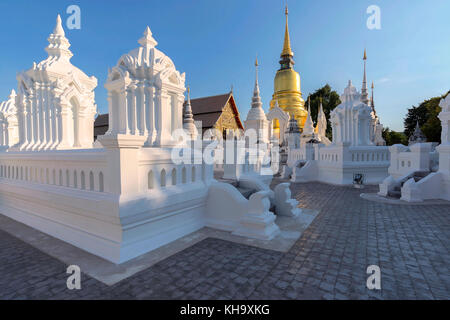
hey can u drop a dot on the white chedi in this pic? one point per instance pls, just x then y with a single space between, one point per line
256 117
188 119
351 120
321 127
145 95
308 128
55 100
9 131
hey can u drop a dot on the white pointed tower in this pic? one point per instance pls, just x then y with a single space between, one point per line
308 129
256 118
188 118
55 100
377 132
364 89
321 127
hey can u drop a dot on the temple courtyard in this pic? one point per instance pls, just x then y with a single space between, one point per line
410 243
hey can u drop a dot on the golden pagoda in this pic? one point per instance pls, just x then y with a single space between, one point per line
287 90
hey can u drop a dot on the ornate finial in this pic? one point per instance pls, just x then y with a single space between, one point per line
58 44
231 88
286 12
256 62
147 40
364 90
287 42
58 28
373 86
188 117
12 94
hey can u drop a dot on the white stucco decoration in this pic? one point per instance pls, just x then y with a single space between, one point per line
55 100
351 119
9 130
259 222
146 94
284 204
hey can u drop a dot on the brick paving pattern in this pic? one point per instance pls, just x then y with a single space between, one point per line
329 261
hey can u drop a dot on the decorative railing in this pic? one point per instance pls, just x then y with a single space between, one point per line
79 169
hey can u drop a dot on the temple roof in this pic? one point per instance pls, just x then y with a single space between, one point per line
205 109
209 109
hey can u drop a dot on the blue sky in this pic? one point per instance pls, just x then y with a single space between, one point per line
215 43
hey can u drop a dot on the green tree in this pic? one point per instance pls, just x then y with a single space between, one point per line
394 137
427 115
330 100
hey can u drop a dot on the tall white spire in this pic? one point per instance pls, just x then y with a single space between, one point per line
188 117
309 125
256 111
58 44
364 89
372 101
147 40
256 100
321 121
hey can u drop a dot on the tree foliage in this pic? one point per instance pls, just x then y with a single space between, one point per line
427 115
394 137
330 100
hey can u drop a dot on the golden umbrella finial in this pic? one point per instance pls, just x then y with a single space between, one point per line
287 42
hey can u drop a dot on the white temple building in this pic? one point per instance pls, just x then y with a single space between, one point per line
55 101
351 156
127 195
9 129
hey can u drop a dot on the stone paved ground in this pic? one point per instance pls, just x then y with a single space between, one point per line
329 261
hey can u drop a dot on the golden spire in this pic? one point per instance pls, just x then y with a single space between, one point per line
287 42
365 54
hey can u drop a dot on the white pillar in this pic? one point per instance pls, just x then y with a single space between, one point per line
150 115
123 112
65 127
143 110
131 100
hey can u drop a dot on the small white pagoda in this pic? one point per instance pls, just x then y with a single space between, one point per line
55 100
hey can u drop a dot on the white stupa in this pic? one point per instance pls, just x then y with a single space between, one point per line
352 119
256 118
